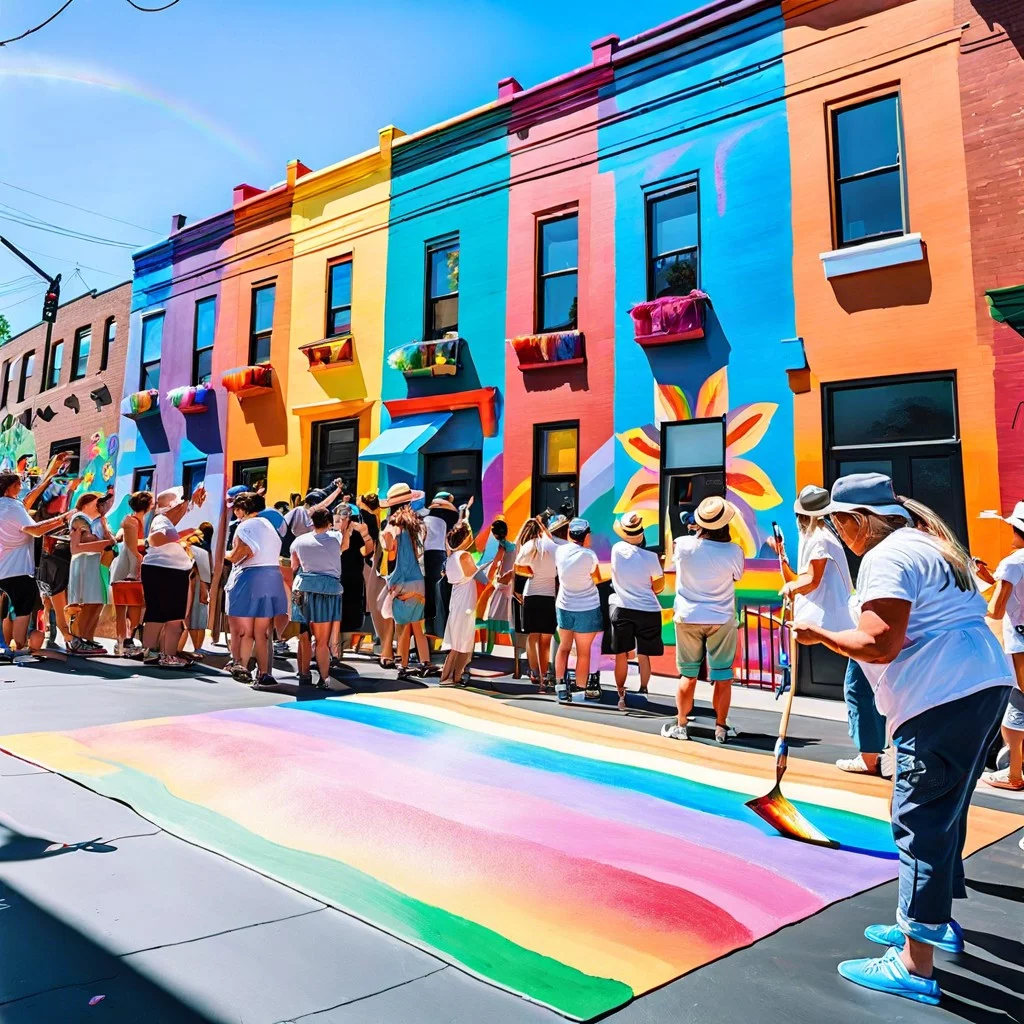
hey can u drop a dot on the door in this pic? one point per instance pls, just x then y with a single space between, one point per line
335 454
458 472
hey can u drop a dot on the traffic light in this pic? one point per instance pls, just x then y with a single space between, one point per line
51 300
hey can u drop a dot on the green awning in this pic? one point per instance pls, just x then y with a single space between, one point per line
1006 306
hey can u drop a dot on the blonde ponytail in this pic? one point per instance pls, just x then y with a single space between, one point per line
930 522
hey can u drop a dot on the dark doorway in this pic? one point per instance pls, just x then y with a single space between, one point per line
335 454
249 473
458 472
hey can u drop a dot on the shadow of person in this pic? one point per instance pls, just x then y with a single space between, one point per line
975 1001
1013 893
18 846
1006 949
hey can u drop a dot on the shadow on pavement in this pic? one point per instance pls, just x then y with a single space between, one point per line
50 971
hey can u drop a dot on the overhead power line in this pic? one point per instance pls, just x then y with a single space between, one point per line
81 209
42 24
16 216
152 10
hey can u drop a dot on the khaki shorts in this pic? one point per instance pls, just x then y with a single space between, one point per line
720 642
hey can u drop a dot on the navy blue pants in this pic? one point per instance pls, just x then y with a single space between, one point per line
867 726
940 755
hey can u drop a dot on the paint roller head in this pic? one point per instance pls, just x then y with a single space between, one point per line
787 820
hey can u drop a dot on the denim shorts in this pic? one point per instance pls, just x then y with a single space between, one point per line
588 621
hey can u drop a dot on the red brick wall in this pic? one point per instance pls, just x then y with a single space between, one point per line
992 108
92 309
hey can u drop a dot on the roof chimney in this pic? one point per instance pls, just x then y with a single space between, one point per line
603 49
508 87
386 137
177 222
296 169
242 192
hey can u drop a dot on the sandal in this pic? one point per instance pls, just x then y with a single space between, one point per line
386 663
241 674
622 703
1001 780
169 661
856 766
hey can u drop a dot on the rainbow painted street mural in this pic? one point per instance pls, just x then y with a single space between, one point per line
577 865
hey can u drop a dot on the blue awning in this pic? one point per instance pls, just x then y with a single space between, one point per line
400 444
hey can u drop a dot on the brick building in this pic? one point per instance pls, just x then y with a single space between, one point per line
64 395
991 91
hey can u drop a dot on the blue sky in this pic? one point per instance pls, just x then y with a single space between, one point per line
140 116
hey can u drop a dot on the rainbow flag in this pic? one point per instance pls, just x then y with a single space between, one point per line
577 865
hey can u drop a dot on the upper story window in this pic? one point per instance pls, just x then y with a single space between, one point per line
202 340
109 337
673 243
868 171
558 274
28 366
152 343
56 361
442 300
8 378
80 359
339 298
261 324
556 467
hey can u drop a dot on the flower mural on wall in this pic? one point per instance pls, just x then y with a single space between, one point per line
747 485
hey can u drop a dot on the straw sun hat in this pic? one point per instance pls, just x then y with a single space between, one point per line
400 494
714 513
630 527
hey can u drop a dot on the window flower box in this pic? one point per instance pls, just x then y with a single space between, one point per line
427 358
141 404
330 352
190 400
249 381
540 351
669 319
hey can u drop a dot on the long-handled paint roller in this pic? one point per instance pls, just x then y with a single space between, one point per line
774 808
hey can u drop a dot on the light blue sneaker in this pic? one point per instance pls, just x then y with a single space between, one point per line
888 974
951 938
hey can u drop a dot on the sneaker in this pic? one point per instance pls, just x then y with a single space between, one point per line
265 682
1001 780
82 649
951 938
321 683
674 731
562 691
281 649
593 690
305 679
888 974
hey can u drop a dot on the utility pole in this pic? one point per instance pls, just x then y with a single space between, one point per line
50 302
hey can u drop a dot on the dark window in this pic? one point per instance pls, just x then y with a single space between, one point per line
56 361
442 288
673 242
80 357
249 473
202 341
459 473
109 337
152 343
335 454
556 467
558 274
692 469
8 377
868 170
28 365
71 444
142 479
262 324
906 428
192 475
339 298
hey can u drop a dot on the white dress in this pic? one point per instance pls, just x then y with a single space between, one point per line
460 630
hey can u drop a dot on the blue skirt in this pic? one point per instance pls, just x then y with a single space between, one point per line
312 608
258 593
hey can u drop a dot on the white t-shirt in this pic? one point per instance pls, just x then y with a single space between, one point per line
949 652
706 575
633 568
1011 569
539 555
262 540
17 548
828 605
201 557
171 555
437 531
577 591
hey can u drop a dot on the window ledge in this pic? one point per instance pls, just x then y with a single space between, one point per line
887 252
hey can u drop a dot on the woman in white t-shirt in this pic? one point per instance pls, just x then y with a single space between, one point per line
256 594
577 608
535 560
1007 604
166 569
942 681
708 565
820 589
